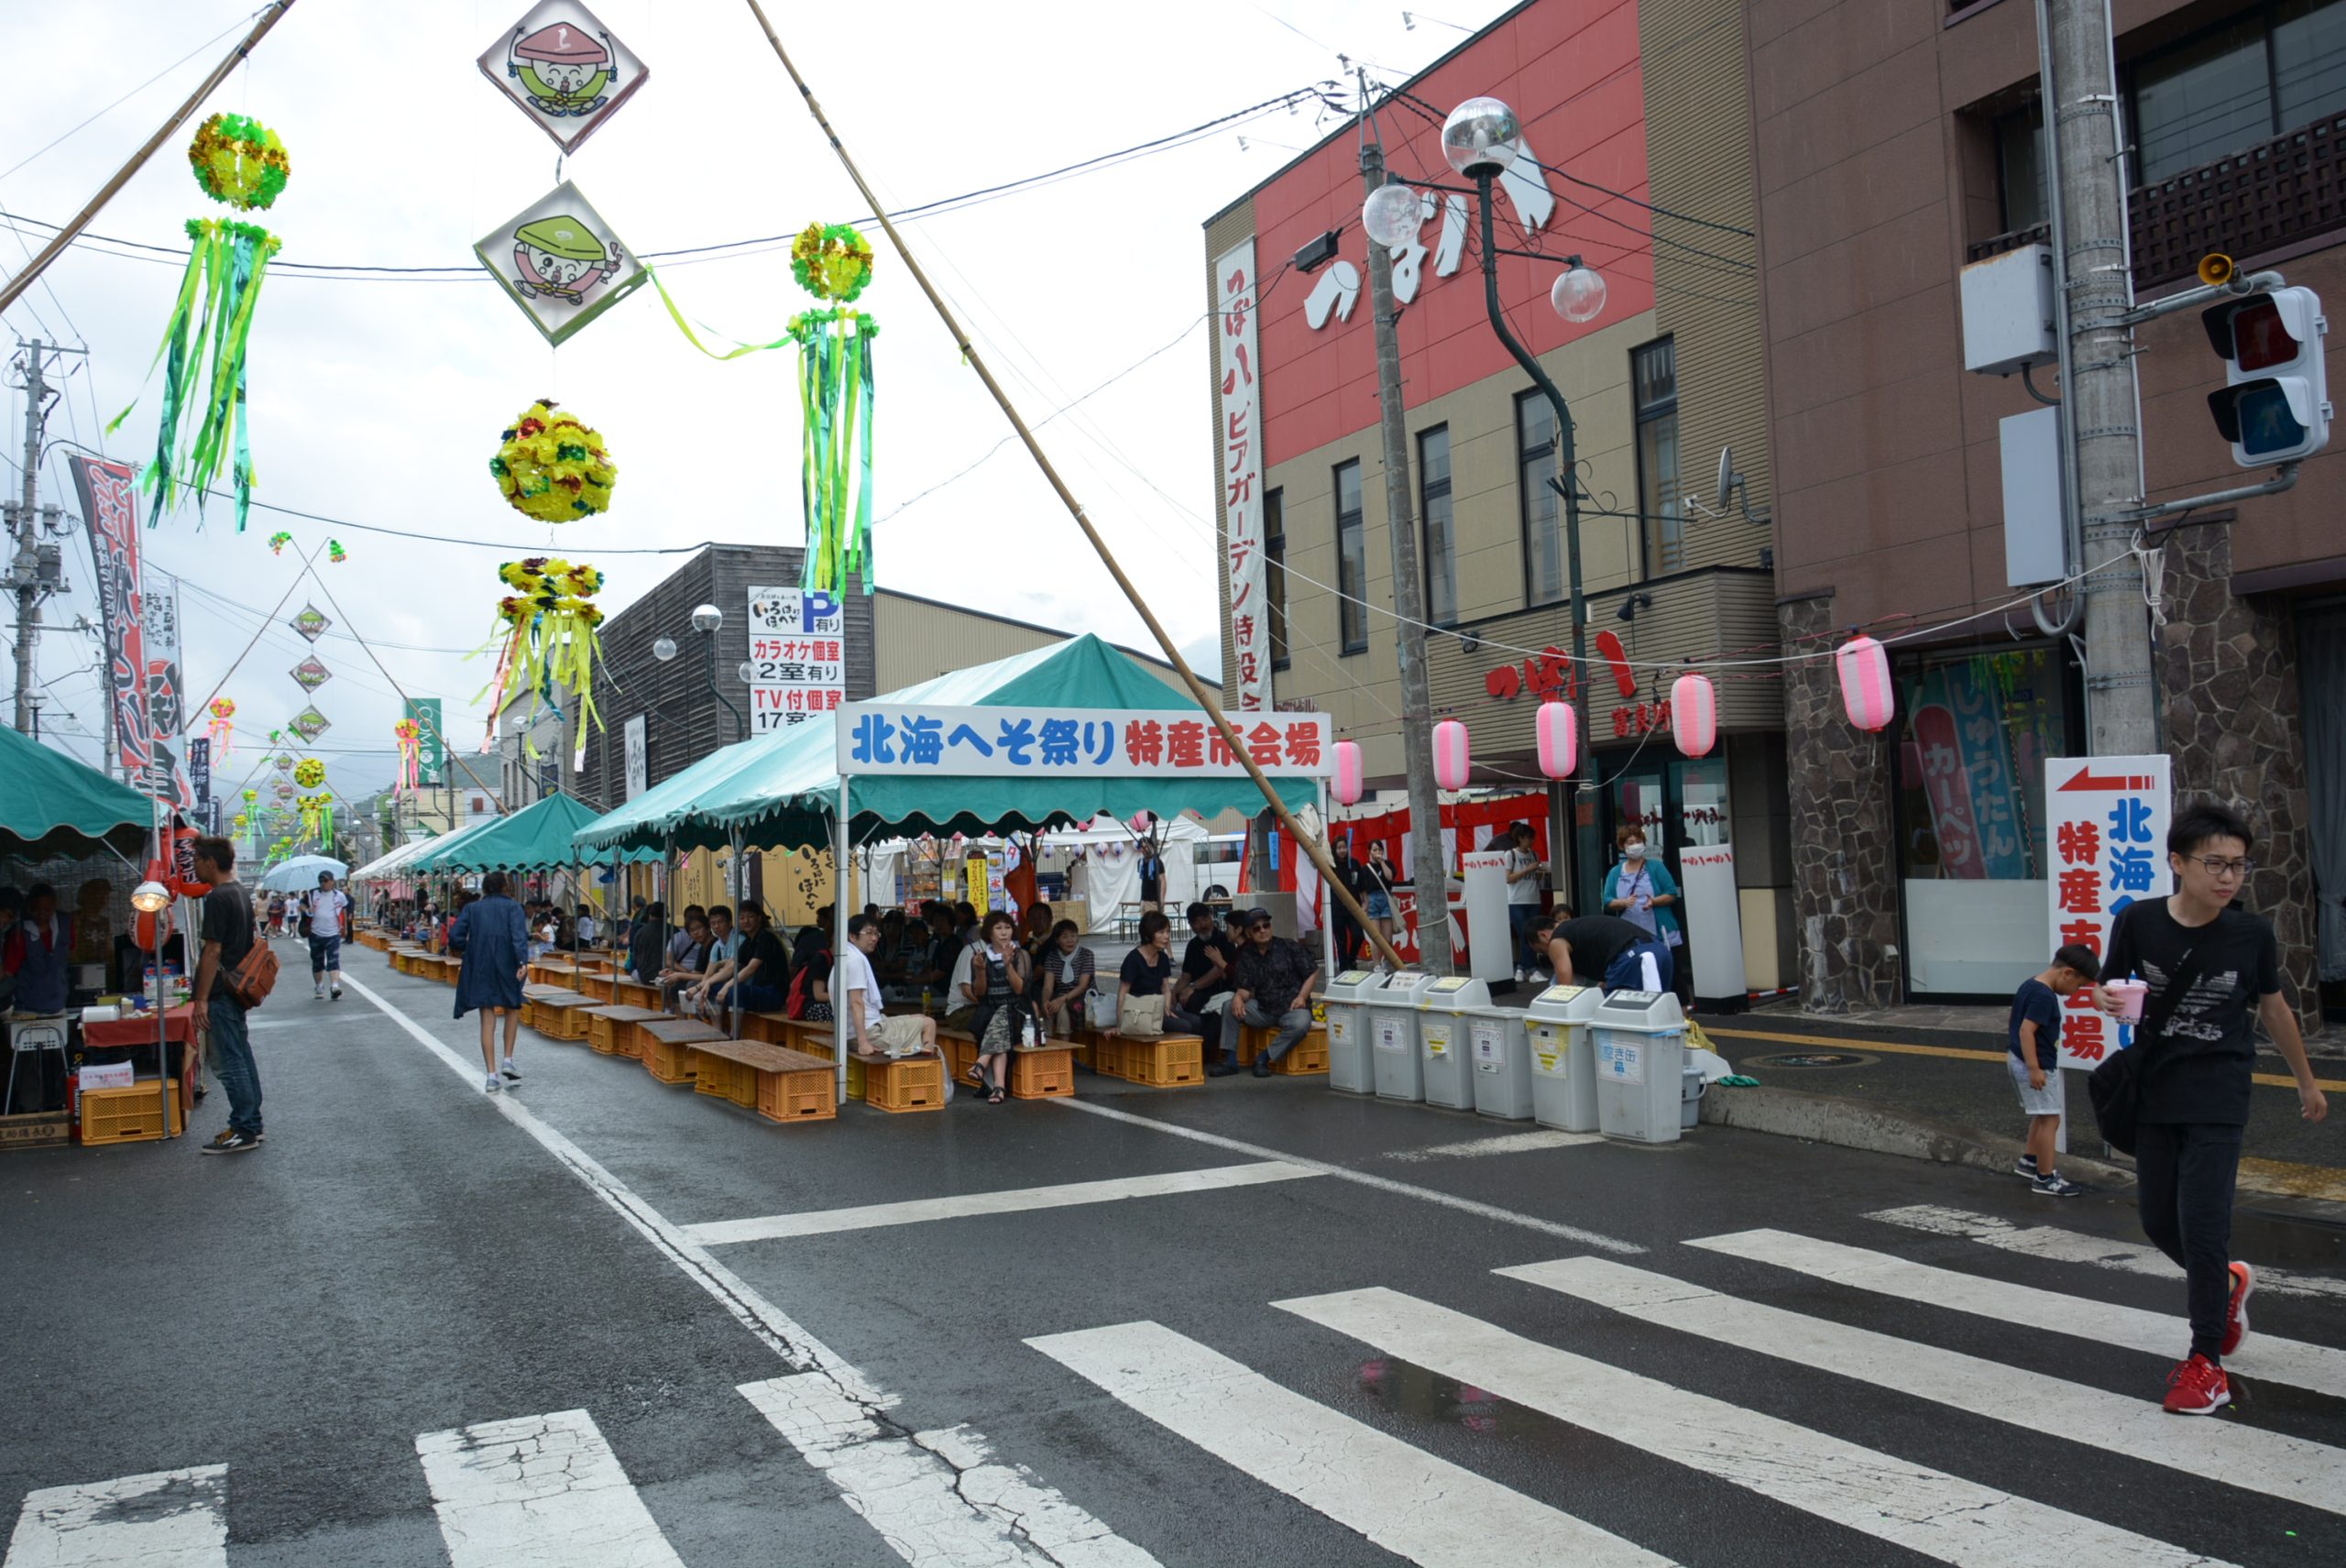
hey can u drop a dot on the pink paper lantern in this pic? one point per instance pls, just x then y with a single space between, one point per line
1559 727
1450 767
1346 786
1866 691
1694 714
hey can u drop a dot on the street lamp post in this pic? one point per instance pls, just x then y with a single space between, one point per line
707 619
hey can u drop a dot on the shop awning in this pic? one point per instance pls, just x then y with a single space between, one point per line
396 863
536 837
51 805
780 790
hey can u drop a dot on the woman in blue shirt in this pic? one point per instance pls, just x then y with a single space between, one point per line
1641 890
492 935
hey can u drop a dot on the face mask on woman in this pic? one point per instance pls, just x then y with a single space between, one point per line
1634 851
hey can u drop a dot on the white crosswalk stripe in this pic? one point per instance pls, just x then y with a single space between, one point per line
538 1492
2312 1366
169 1518
2059 1245
1925 1510
2283 1466
1408 1502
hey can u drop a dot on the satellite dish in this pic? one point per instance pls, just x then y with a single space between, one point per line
1727 475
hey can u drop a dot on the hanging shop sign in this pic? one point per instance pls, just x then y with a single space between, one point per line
561 262
1548 676
2106 825
797 654
639 756
565 70
165 776
431 751
918 740
1237 356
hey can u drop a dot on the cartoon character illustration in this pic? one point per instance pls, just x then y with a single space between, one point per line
561 259
563 68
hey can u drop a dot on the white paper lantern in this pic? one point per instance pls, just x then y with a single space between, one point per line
1866 692
1450 760
1559 727
1694 714
1346 786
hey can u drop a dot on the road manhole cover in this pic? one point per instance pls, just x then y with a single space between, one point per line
1813 1060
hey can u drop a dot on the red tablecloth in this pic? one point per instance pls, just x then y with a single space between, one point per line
179 1024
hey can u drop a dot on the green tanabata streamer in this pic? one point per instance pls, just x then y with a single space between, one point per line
226 267
836 393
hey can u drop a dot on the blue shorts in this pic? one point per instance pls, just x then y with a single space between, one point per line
1378 905
1642 966
325 953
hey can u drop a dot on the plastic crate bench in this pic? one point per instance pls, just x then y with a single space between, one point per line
800 1089
634 994
1166 1062
612 1032
560 1015
818 1039
768 1028
959 1052
132 1115
1043 1072
595 987
665 1044
904 1083
780 1085
1308 1056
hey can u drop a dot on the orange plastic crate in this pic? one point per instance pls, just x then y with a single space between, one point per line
1163 1063
1044 1074
1308 1056
804 1096
768 1028
908 1083
723 1080
961 1054
667 1062
132 1115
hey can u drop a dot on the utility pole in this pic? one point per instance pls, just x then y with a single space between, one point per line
1428 870
24 517
2102 413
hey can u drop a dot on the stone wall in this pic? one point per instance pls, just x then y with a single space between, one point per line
1844 866
2227 668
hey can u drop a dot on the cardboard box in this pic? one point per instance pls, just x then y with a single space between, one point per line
36 1130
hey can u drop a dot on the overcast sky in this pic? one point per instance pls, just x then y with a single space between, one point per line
380 402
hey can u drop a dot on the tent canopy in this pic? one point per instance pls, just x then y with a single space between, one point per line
408 860
300 873
536 837
51 805
780 789
391 860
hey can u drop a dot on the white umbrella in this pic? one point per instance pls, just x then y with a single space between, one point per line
300 872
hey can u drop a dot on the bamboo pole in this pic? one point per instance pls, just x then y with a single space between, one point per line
66 235
1107 559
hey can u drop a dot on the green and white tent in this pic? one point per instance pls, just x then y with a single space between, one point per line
51 805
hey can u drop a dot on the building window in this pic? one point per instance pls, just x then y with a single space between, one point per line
1543 523
1442 546
2240 83
1274 573
2020 167
1352 560
1653 381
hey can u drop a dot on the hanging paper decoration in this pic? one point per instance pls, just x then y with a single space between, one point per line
335 555
836 393
222 729
1347 786
317 818
311 674
251 795
239 161
308 724
309 772
552 467
565 70
1450 763
310 623
411 738
279 541
284 790
561 262
547 628
1559 727
1866 692
1694 714
283 760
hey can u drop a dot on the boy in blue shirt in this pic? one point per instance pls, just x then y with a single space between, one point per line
2034 1048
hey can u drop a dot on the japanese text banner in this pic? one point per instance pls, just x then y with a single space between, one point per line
2105 831
918 739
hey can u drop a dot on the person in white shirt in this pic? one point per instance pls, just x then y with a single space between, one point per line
875 1033
587 928
323 913
1524 867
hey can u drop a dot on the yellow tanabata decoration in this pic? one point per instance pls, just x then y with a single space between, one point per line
239 161
552 467
309 772
547 627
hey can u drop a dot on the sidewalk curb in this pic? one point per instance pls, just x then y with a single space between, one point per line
1850 1125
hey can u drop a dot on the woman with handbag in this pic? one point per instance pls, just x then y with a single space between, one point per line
1643 892
1145 985
2178 1098
1000 980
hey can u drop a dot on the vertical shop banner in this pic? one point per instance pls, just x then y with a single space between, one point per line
158 606
199 773
109 494
1239 361
432 747
797 654
2106 824
639 756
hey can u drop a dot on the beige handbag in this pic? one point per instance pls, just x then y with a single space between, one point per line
1142 1016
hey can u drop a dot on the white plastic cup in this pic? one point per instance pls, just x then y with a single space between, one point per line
2131 994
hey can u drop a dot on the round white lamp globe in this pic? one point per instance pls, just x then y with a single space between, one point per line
1480 134
664 649
707 618
1389 215
1579 294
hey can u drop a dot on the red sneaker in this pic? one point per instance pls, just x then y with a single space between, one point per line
2236 1310
2196 1387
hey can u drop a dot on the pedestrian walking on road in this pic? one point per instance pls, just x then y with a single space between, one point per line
494 937
2207 964
2033 1041
1271 987
226 932
328 913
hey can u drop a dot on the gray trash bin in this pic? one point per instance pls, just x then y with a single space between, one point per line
1443 1039
1392 1012
1349 1069
1498 1050
1563 1059
1640 1037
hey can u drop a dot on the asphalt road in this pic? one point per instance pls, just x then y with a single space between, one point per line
601 1320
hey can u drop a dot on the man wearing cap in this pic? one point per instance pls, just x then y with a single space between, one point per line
1271 986
325 928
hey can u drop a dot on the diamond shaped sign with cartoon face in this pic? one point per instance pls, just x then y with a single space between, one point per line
310 673
311 622
560 262
308 724
564 69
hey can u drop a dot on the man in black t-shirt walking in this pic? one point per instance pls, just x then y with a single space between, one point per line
2207 964
227 934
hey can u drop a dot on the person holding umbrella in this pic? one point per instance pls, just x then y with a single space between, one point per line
494 938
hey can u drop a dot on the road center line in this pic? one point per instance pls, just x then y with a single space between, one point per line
1363 1178
1011 1200
1510 1142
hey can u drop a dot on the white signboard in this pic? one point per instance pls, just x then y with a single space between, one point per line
1241 443
2106 821
798 654
1713 915
922 740
639 757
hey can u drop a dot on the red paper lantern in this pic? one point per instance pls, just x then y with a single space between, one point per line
1694 714
1450 760
1866 692
1346 786
1559 727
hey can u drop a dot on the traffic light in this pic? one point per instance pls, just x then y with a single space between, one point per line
2275 407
